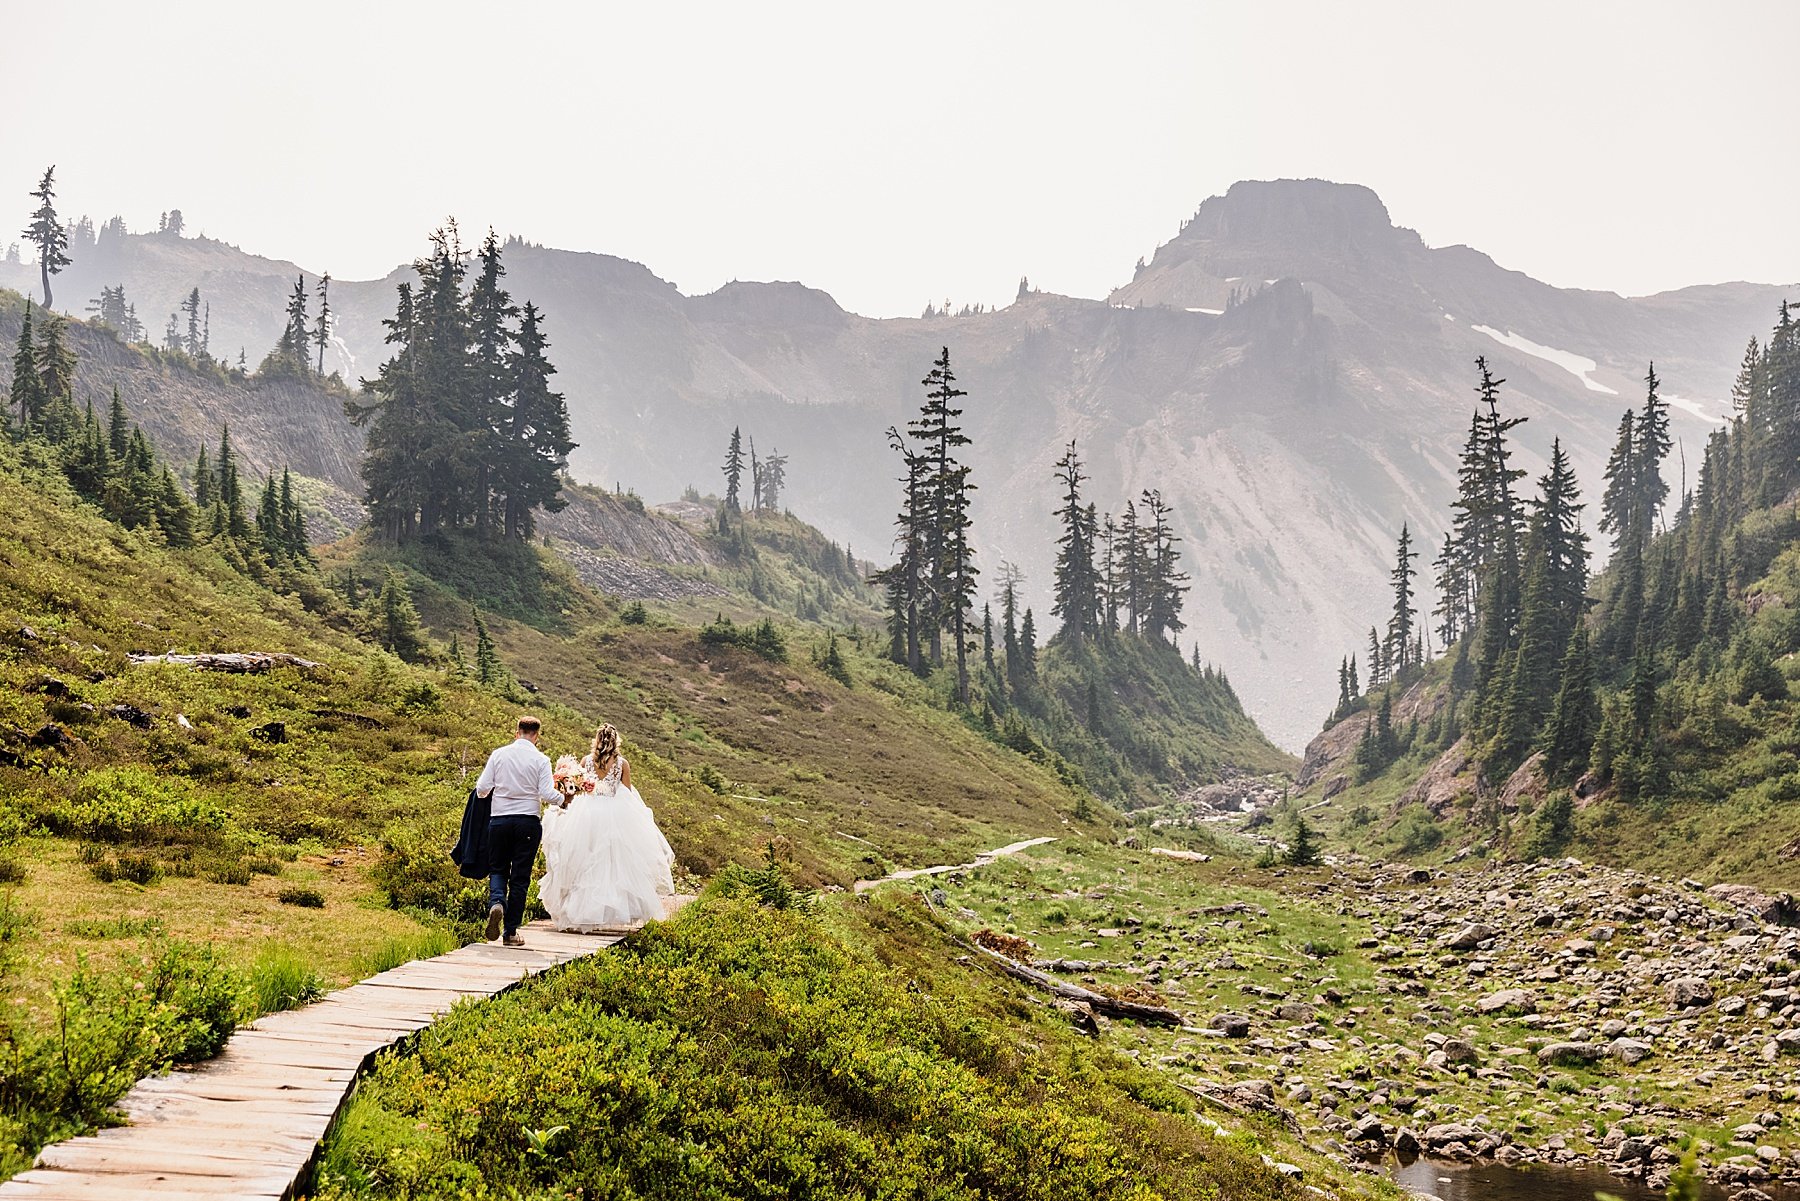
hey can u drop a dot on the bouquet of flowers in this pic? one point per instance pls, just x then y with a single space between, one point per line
570 777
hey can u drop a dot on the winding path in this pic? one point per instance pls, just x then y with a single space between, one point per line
981 860
247 1123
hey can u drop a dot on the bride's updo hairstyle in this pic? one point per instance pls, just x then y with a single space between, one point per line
606 748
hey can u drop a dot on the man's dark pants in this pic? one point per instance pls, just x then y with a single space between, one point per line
512 848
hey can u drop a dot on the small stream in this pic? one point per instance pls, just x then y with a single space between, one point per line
1487 1181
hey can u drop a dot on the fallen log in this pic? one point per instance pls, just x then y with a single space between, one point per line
233 662
1100 1003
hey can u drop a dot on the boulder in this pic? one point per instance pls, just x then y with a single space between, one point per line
1628 1050
1687 992
1469 937
1445 1133
1571 1054
1369 1130
1457 1050
1406 1142
1297 1012
1231 1025
1337 784
1507 1000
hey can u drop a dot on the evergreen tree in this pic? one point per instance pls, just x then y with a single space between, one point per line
1400 625
203 481
774 478
1303 851
1556 526
904 581
734 469
321 334
118 430
269 533
47 234
293 521
1028 648
539 436
1574 714
291 354
228 501
949 562
174 512
398 620
1377 661
191 306
1164 581
488 668
1077 590
1653 445
55 362
27 390
1132 568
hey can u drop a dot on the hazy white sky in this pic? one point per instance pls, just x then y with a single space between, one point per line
905 153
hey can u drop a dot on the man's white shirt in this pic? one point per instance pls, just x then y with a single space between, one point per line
519 778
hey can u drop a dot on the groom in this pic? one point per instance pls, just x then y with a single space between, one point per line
518 780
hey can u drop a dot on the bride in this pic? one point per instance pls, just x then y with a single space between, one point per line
607 863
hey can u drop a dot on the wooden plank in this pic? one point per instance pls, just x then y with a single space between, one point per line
134 1186
247 1123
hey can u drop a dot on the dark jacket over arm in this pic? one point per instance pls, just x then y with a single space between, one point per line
471 851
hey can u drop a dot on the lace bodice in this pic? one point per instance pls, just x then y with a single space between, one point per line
607 785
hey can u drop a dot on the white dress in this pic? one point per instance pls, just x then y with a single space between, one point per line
607 864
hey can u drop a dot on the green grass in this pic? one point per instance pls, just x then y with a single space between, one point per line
740 1051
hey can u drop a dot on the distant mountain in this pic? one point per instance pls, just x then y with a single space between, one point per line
1292 369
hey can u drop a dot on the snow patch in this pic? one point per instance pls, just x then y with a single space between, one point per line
1576 365
1209 312
1448 317
1698 407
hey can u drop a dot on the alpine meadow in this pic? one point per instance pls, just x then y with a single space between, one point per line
1312 714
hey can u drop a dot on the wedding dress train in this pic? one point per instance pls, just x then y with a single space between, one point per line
607 864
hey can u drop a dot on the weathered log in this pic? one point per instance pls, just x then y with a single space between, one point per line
1100 1003
234 662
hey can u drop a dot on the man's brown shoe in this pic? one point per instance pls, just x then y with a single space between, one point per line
496 915
514 940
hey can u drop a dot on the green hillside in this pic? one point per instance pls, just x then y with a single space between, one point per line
1646 717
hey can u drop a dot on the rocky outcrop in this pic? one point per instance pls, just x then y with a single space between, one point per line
1778 908
620 526
1443 782
1334 747
1525 783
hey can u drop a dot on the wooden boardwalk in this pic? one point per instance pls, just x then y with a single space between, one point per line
247 1123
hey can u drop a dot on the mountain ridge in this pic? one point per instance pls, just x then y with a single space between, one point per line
1294 431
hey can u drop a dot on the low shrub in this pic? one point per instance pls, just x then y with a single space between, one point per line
177 1007
306 898
761 639
130 868
741 1051
768 884
415 871
130 804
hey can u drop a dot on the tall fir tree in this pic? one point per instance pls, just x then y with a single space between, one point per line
1077 590
47 234
1400 624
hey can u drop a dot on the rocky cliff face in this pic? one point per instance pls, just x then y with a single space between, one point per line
1293 430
